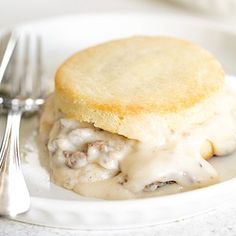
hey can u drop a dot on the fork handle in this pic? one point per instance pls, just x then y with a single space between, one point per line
14 195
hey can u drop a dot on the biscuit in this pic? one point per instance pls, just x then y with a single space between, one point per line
128 85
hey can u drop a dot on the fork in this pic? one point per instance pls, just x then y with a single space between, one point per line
21 93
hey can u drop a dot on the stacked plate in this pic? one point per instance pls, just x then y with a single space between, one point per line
57 207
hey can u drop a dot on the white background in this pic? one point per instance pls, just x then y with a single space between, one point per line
218 222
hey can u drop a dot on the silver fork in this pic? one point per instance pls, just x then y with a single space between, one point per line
21 93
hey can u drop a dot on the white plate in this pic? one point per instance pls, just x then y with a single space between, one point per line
57 207
210 6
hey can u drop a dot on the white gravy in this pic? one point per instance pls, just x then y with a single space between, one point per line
96 163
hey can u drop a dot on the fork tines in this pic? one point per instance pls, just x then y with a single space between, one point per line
24 67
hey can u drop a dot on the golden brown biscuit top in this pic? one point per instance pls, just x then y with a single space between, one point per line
139 75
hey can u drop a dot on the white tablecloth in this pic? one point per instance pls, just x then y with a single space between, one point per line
218 222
